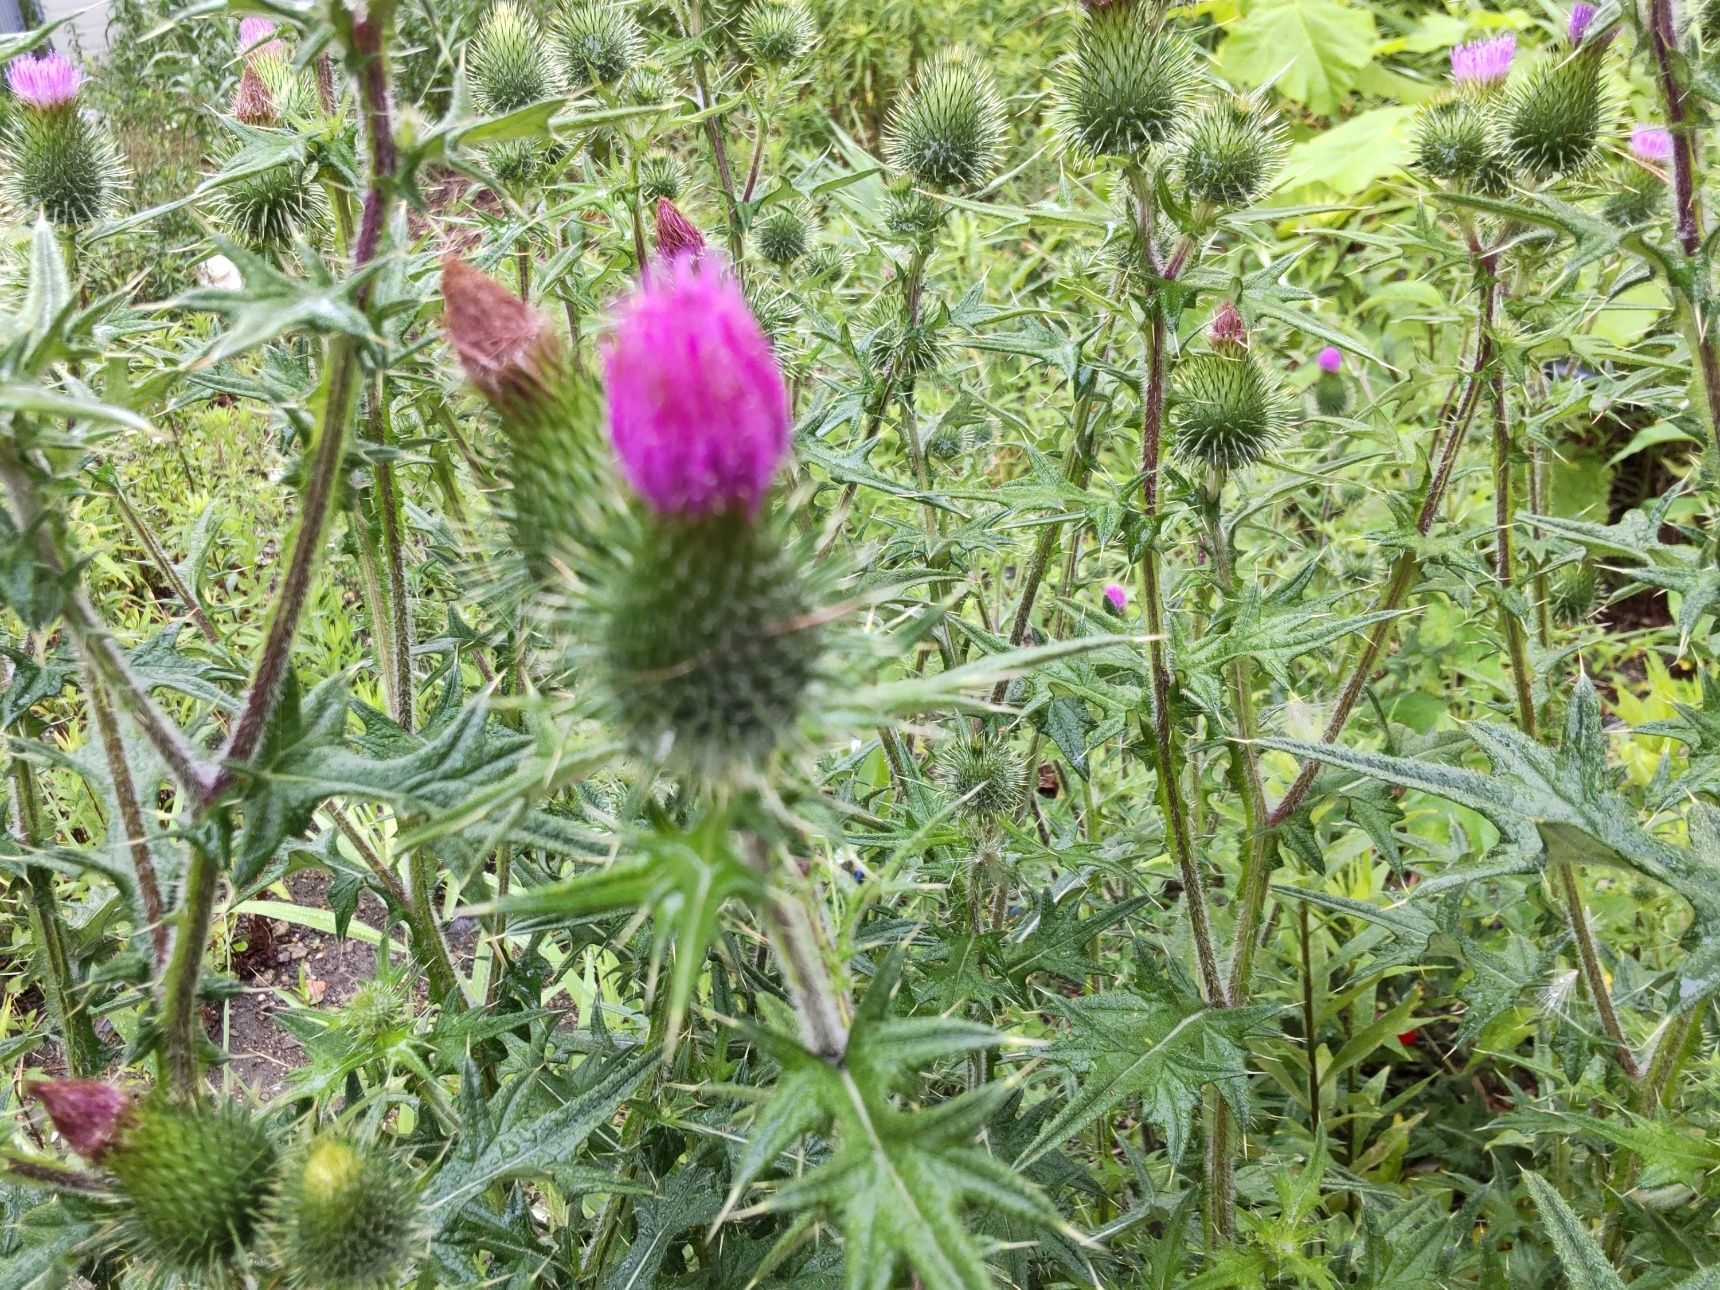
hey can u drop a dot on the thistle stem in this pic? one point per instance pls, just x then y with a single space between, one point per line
1442 461
1167 756
182 1031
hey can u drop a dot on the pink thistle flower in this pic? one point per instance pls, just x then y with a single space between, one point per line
255 42
1484 62
676 234
1578 24
1116 596
44 83
87 1113
1331 360
1227 328
1651 143
698 413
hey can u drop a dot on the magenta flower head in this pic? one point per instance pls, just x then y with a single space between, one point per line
1484 63
44 83
1581 19
256 39
698 413
1116 597
87 1113
1651 143
1331 360
1226 330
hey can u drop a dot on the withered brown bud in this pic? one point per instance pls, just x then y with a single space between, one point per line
87 1112
676 234
508 349
252 102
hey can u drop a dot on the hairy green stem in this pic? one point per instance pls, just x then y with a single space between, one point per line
181 1025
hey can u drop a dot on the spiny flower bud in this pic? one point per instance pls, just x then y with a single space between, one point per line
910 215
599 41
1232 150
1484 64
1573 595
984 774
782 234
776 33
252 102
698 413
1128 85
1553 121
1451 141
346 1217
826 265
194 1182
267 209
1116 598
56 159
947 131
677 235
1331 391
1226 409
87 1113
510 66
660 178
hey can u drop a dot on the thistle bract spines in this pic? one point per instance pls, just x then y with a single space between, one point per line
660 178
826 265
599 42
1574 595
266 210
1128 86
1553 121
1226 410
1232 150
983 773
947 132
1451 140
708 641
910 215
346 1218
194 1181
510 67
777 33
782 233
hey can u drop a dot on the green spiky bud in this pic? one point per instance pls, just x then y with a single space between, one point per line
1636 198
267 209
1451 140
1128 86
708 642
947 442
194 1182
777 33
826 265
377 1008
1226 409
1553 120
901 345
647 86
518 162
910 215
947 132
1574 594
1232 151
782 233
347 1218
62 163
509 64
983 773
1332 395
598 42
660 177
1708 25
777 313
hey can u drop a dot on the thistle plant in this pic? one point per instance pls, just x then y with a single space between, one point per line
1079 664
58 160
